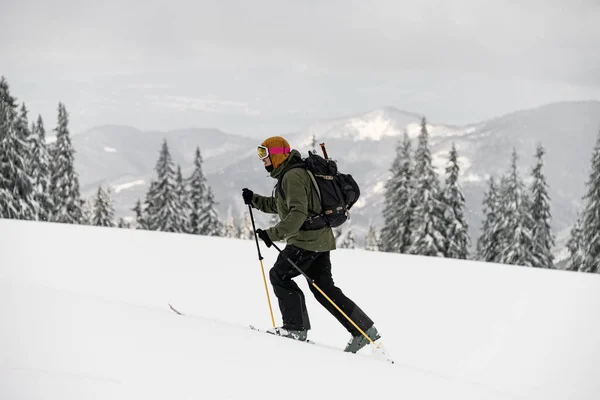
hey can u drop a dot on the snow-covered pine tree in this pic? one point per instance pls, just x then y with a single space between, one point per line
349 241
16 187
371 240
313 143
209 223
488 244
140 220
517 241
87 211
501 214
29 204
274 220
390 240
103 213
246 231
164 200
427 227
543 239
229 229
337 235
64 182
123 224
575 246
40 170
458 240
149 208
198 193
399 206
184 205
590 228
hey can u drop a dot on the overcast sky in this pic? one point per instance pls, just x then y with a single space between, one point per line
270 67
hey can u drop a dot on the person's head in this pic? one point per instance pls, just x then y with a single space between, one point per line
273 152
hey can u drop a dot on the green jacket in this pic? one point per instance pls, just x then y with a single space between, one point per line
301 201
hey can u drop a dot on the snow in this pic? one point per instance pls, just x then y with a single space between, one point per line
472 177
127 185
379 187
374 127
85 315
109 149
438 131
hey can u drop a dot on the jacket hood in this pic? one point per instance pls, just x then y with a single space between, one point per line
293 158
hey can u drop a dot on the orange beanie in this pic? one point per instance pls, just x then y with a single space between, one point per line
277 142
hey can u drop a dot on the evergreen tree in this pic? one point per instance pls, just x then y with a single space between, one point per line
246 231
149 209
457 235
103 213
591 217
399 204
274 220
209 223
488 245
198 194
40 170
349 241
16 186
123 223
184 205
64 183
543 239
575 247
140 218
389 233
427 228
87 211
371 240
517 243
29 205
313 142
164 199
230 230
337 235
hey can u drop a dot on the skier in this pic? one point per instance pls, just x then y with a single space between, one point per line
308 247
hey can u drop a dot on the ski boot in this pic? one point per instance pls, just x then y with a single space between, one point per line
296 334
359 341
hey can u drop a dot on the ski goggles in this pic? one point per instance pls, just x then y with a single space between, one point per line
264 152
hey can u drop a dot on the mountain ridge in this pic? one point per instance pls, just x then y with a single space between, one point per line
566 129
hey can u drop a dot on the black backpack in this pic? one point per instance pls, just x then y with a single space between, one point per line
338 192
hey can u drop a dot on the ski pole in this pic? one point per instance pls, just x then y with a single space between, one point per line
312 282
260 258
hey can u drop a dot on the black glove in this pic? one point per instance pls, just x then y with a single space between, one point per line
247 194
265 237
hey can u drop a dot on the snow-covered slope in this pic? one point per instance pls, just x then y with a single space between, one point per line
85 315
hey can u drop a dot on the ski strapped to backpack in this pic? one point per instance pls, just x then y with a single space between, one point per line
337 192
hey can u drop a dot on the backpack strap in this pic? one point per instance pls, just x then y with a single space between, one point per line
312 222
315 184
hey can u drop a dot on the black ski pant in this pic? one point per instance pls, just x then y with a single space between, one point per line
291 299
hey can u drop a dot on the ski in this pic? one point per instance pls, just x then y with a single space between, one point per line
379 353
270 333
174 310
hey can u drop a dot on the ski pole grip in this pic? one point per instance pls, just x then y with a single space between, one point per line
324 151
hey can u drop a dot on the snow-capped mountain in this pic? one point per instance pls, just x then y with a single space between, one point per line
364 145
